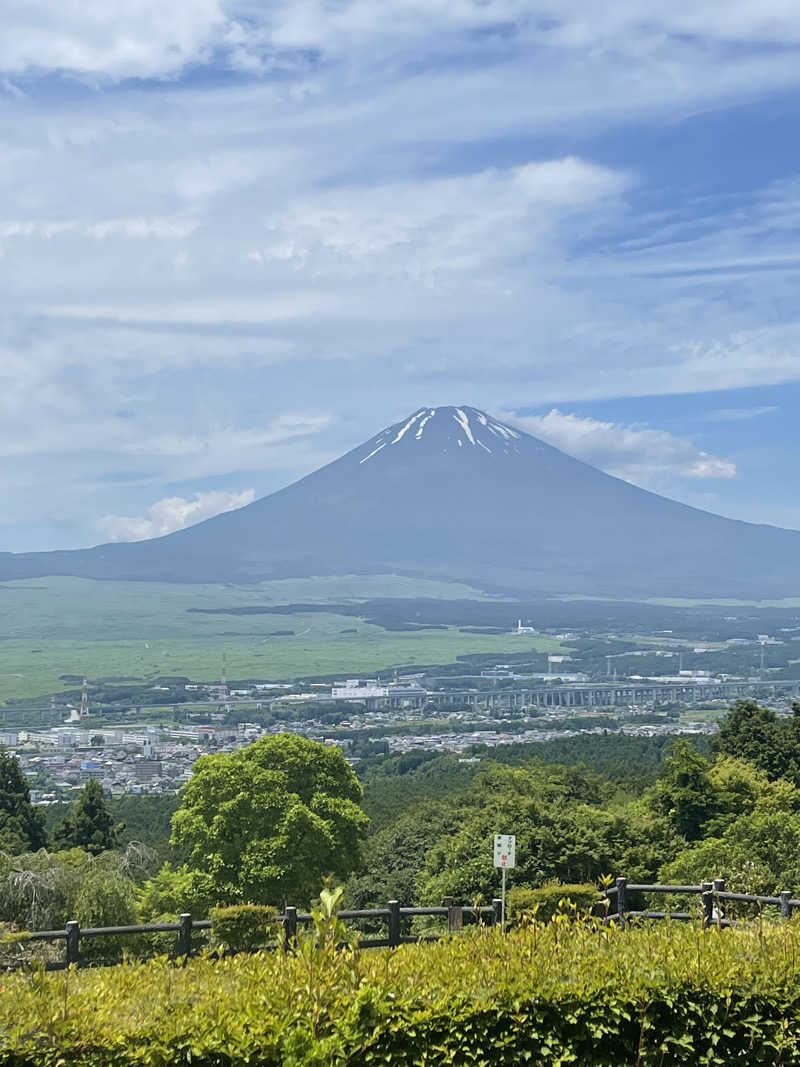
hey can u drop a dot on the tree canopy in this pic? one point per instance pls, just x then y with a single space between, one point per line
684 792
89 824
267 823
756 734
568 823
22 827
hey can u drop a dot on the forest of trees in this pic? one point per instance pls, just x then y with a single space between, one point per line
266 824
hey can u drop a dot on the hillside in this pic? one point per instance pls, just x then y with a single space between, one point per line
453 494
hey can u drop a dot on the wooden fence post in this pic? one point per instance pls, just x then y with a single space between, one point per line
394 923
73 942
289 928
707 897
455 918
185 935
719 887
786 907
622 898
497 904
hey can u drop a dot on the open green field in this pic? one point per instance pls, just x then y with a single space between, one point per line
706 715
56 626
689 602
85 610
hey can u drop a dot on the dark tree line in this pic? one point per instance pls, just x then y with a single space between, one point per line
757 735
88 825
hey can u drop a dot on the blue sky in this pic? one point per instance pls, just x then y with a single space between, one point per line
237 239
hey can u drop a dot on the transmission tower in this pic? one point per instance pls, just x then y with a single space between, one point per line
85 699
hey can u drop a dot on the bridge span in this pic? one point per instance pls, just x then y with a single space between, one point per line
607 695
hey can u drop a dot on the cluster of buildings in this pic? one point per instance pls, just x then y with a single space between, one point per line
58 762
449 713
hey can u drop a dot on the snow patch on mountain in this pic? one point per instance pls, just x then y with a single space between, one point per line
434 428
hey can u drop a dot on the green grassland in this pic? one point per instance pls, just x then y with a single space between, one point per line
82 609
706 715
688 602
55 626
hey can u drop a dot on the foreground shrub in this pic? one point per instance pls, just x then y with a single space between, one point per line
563 993
171 891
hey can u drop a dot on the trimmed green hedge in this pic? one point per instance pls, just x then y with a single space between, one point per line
243 927
566 993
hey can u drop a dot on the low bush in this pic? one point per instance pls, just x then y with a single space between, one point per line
662 995
243 927
550 899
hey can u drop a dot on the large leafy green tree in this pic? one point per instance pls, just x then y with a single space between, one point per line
22 827
89 825
562 833
753 842
684 792
268 822
756 734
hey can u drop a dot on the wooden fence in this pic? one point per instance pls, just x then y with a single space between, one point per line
714 900
394 916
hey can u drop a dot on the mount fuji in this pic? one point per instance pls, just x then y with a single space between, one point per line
452 493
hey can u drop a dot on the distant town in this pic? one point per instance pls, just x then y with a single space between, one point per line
414 711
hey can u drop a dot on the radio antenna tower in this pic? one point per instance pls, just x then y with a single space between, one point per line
224 686
85 698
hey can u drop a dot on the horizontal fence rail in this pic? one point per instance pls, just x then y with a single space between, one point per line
713 898
394 917
290 921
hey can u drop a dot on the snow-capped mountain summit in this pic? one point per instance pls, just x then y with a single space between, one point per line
453 493
447 428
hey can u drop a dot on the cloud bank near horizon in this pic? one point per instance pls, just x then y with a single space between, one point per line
171 514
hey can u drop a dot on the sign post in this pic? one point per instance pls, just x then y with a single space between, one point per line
505 847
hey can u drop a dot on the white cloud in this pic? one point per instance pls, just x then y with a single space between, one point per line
149 39
365 223
286 427
589 22
739 414
119 38
142 228
425 231
172 513
285 443
636 453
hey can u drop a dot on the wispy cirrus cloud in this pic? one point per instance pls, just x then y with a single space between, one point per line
141 228
740 414
219 211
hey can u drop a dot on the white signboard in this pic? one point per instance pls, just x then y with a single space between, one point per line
505 846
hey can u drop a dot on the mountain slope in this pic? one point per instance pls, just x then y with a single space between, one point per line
452 493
